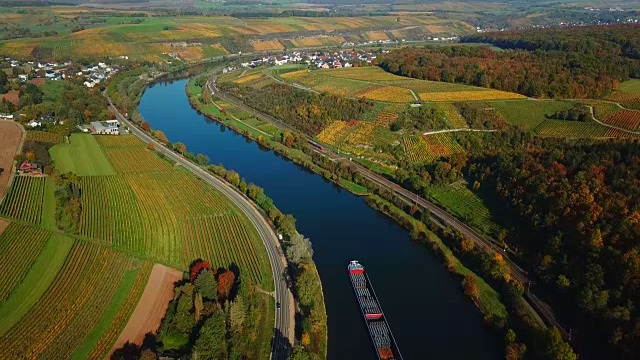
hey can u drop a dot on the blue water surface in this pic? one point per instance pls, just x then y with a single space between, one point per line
427 312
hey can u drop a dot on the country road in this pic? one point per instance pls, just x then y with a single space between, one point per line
284 331
542 310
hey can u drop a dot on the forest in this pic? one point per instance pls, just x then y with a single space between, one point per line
547 63
304 110
574 215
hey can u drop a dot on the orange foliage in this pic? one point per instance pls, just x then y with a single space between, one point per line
197 267
225 283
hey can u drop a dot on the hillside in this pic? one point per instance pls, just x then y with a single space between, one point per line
136 210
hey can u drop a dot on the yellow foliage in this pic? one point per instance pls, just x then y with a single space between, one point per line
306 42
306 339
375 36
248 78
267 45
389 94
331 133
469 95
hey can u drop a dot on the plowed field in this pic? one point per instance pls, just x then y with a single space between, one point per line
11 137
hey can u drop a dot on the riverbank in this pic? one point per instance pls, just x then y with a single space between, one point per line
484 260
356 231
489 303
225 115
285 226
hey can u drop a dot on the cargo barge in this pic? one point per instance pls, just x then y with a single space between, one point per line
379 330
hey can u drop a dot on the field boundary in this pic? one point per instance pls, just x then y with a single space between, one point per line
3 192
457 130
155 294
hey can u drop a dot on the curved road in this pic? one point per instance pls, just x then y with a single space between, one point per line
541 310
284 326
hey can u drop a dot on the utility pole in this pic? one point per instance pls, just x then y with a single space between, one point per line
529 287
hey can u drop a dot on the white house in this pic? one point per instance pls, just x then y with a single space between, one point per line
109 127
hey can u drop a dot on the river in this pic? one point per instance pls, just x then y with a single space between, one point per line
427 312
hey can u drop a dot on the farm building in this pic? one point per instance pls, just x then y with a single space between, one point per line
29 168
109 127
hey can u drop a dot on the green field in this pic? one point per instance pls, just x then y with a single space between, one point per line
82 156
630 86
528 114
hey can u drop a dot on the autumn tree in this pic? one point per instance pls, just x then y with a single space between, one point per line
226 281
150 146
470 287
237 314
160 136
196 268
180 147
145 126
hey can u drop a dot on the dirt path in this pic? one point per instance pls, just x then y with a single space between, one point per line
151 308
593 116
11 139
3 225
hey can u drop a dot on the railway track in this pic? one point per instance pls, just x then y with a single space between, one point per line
542 310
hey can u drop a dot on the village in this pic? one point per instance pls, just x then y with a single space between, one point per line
326 59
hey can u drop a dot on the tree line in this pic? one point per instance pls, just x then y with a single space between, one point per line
574 215
304 110
585 68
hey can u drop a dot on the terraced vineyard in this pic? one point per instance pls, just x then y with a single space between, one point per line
416 149
153 211
371 82
19 246
626 119
134 160
453 116
43 136
334 133
571 129
24 200
72 306
466 205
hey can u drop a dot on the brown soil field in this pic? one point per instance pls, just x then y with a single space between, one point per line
38 81
11 136
12 96
3 225
150 310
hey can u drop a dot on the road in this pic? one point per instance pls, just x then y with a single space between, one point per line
593 116
284 327
543 311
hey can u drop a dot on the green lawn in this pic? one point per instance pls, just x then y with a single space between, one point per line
81 156
353 187
49 205
42 274
52 91
631 86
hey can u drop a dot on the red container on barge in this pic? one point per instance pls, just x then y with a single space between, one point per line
379 330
